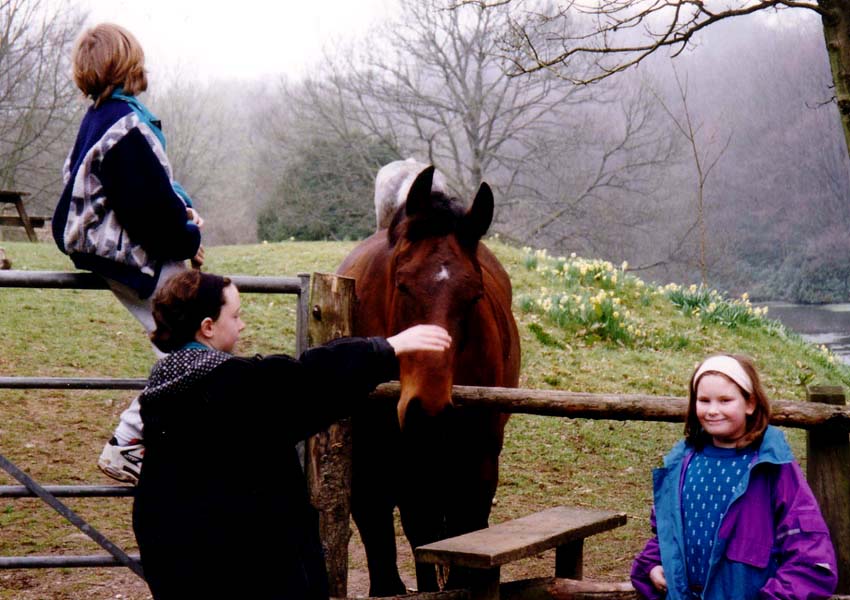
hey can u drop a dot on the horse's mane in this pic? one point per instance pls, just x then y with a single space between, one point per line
439 217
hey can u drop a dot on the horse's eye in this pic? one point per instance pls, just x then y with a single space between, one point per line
401 287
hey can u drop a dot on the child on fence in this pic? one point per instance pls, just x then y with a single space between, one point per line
239 524
121 214
733 514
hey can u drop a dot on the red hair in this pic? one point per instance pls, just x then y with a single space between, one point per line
105 57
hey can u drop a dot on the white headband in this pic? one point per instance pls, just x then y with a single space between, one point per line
725 365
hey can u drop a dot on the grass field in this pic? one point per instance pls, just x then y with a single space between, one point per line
56 436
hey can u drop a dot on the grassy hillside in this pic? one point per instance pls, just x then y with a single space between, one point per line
585 325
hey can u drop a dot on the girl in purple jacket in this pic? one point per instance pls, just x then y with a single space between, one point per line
733 514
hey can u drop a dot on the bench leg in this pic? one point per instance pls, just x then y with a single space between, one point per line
484 584
25 220
569 559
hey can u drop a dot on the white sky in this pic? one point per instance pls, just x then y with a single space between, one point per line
244 39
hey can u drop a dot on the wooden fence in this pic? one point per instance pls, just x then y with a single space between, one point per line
825 416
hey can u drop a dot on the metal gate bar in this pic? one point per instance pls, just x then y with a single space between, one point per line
70 515
71 491
54 562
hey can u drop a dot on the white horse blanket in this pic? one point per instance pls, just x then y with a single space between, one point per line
392 184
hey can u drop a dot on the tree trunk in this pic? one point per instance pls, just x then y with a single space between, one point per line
836 30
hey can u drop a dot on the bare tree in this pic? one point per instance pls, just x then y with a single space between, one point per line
37 108
705 154
207 132
194 116
433 85
314 170
591 183
587 41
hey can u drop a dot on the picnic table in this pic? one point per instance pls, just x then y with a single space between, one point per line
22 220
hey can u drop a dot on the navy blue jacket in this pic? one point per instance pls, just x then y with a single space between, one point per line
119 215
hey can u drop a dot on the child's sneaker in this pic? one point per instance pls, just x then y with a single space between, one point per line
122 462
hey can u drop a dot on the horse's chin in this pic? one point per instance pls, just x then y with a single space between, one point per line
426 385
427 407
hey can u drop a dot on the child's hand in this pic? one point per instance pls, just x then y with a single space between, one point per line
419 338
656 576
198 260
193 216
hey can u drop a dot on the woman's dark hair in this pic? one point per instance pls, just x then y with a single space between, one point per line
182 304
756 422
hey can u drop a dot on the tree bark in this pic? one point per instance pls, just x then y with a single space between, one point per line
836 29
828 453
328 455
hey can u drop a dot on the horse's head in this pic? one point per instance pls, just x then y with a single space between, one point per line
435 278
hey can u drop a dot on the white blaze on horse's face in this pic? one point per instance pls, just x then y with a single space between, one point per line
443 275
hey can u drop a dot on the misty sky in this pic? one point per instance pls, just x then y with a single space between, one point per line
241 38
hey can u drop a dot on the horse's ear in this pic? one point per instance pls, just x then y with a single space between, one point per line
477 221
420 192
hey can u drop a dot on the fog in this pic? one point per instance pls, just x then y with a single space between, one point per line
605 170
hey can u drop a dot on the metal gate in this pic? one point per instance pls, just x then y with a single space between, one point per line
51 494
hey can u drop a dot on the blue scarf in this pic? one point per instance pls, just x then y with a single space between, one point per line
195 346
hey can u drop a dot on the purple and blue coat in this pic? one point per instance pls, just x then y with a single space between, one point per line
772 542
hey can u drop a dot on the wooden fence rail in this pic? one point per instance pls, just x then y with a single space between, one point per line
622 407
825 416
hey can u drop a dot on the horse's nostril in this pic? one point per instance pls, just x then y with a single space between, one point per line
415 409
413 415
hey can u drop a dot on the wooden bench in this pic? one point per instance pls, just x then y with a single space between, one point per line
486 550
22 220
13 221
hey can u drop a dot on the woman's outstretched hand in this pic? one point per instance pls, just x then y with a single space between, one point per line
419 338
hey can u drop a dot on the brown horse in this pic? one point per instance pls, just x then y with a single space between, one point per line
438 463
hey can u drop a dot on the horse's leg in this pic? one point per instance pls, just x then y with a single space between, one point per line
373 500
374 520
423 493
423 523
471 514
474 482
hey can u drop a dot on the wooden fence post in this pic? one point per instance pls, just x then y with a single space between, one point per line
828 474
328 454
302 316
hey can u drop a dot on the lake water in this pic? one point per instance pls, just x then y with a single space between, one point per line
827 324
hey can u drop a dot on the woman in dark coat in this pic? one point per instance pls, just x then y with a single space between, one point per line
228 515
